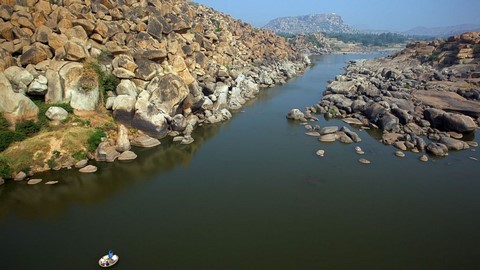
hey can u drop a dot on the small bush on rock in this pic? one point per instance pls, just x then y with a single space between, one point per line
95 139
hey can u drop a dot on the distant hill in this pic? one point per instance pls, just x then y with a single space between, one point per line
443 31
310 24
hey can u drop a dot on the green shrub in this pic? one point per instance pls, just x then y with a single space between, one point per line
106 80
80 155
5 169
3 123
51 163
28 127
7 137
95 139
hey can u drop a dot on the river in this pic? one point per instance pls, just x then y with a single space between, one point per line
252 194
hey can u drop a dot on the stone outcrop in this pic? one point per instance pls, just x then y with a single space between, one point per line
425 92
171 57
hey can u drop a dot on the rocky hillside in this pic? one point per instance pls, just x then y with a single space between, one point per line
162 67
309 24
424 98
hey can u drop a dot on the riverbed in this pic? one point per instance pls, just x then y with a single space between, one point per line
252 194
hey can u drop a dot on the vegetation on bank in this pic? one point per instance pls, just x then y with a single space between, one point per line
365 39
40 144
369 39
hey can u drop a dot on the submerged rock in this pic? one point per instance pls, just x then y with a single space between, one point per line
34 181
364 161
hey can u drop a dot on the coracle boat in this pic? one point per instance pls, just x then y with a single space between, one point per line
108 260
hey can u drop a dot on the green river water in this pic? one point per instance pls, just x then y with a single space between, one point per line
252 194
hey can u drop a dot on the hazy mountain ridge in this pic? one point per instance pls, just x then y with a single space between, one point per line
310 24
443 31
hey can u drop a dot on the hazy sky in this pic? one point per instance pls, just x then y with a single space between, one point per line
400 15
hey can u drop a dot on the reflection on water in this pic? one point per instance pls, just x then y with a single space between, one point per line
74 187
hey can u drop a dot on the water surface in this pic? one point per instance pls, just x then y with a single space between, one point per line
252 194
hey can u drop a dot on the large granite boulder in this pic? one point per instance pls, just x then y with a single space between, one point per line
453 144
168 93
450 121
15 107
80 86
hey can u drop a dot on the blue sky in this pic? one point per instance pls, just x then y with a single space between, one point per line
398 15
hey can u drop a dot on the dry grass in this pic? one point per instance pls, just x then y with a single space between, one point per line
59 145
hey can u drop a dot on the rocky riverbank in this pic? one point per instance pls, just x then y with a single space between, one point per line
425 98
159 68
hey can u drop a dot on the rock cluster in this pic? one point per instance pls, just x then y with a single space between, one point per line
179 64
424 98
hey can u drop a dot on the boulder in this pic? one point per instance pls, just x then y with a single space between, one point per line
88 169
374 112
20 176
123 107
450 121
343 138
106 152
149 118
123 143
126 87
388 122
2 181
74 51
437 149
81 163
127 155
459 123
328 137
328 130
424 158
221 92
145 141
342 87
56 113
34 55
39 86
297 115
15 106
169 93
34 181
453 144
18 76
178 123
354 136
